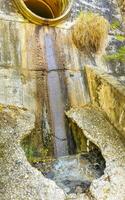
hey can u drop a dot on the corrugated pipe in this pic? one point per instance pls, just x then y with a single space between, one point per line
48 12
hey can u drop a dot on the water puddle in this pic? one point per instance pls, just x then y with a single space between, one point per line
74 174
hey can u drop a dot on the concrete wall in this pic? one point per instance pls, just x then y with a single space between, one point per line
109 94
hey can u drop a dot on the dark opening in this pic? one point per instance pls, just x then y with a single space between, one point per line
40 8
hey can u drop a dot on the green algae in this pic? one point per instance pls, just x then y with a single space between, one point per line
34 148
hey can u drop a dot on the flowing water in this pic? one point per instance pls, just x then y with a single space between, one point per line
56 102
74 174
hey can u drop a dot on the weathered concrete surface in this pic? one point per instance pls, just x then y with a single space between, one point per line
108 94
25 66
24 74
18 180
99 131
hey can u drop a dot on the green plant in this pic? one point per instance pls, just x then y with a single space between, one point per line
118 56
120 38
115 25
90 32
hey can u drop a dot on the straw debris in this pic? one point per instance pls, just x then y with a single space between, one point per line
90 33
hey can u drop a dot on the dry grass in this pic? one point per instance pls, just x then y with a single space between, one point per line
90 33
122 4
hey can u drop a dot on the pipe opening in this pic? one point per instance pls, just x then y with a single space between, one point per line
40 8
44 11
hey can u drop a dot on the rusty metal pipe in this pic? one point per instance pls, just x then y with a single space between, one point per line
48 12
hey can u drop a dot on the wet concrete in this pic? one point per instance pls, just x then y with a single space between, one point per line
56 102
25 54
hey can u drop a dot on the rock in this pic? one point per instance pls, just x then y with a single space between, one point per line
78 190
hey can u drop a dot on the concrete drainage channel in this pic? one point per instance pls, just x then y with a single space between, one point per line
44 12
72 173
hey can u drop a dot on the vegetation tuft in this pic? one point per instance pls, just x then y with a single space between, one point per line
115 25
90 33
120 38
118 56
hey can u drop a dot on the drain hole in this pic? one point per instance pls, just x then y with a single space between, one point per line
46 12
40 8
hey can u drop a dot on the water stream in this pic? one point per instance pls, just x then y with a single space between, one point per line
55 99
75 173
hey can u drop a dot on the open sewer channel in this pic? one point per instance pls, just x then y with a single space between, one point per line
72 173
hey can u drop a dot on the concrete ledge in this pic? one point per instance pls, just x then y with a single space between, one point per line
107 93
98 130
